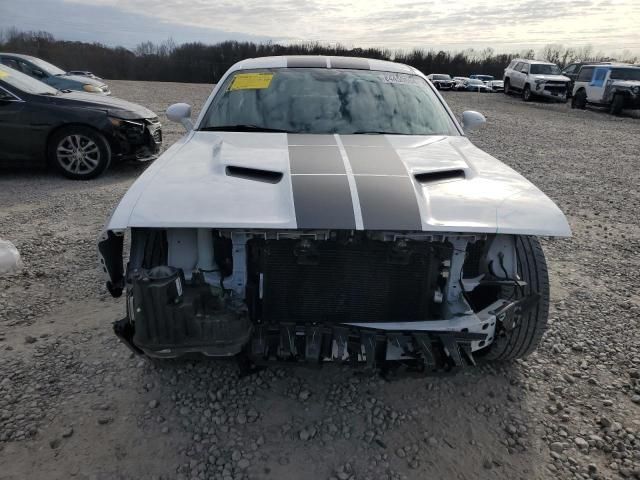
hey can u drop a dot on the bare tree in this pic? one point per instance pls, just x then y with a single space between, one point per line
553 53
197 62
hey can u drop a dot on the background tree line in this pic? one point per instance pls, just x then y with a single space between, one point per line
200 63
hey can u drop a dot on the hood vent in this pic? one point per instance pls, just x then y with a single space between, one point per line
440 176
255 174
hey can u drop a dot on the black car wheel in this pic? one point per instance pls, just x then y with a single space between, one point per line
524 335
579 100
507 87
617 105
526 93
79 153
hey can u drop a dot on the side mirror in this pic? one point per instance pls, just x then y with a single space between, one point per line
472 120
180 113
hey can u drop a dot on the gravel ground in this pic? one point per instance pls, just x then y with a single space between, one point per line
75 404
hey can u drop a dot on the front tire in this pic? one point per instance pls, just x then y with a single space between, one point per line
579 100
617 105
507 87
526 93
79 152
527 333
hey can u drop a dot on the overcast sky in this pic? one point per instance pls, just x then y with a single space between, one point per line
610 26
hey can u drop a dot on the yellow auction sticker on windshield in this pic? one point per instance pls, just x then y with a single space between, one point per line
3 74
251 81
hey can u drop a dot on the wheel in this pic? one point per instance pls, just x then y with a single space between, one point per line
579 100
526 93
79 152
527 332
507 87
617 104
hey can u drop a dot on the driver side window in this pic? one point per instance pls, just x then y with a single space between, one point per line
31 70
525 68
10 62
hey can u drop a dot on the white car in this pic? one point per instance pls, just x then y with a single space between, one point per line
616 87
496 85
536 78
330 209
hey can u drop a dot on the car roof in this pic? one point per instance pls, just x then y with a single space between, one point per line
533 62
610 65
18 55
322 61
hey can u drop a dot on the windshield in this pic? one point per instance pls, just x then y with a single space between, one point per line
46 67
321 101
625 74
441 77
24 82
544 69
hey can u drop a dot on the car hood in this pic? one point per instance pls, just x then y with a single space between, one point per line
626 83
362 182
115 107
553 78
82 79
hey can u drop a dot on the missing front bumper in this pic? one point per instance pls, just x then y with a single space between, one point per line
433 350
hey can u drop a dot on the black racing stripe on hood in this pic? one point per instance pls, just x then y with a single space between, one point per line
386 193
321 194
317 159
306 62
323 201
372 155
388 203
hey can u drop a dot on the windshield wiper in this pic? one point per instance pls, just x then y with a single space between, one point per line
242 128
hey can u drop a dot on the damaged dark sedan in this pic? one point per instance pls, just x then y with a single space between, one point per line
329 209
79 134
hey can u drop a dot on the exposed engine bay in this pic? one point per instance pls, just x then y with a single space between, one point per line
315 296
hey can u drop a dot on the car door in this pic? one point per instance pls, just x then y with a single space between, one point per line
516 76
524 74
595 88
15 142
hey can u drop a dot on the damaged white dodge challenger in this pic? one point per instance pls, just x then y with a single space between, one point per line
330 209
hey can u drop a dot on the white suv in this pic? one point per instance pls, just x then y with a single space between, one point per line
613 86
535 78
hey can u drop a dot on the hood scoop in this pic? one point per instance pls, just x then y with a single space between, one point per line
440 176
255 174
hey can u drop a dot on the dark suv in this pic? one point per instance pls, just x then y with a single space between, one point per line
572 70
